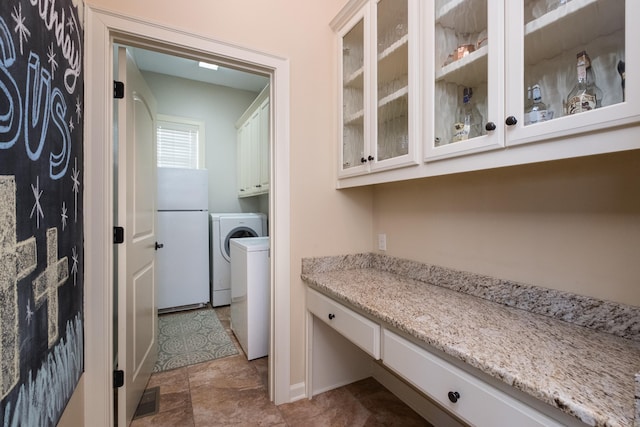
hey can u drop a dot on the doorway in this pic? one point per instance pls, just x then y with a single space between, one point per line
106 30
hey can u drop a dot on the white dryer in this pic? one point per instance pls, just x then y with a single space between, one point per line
224 227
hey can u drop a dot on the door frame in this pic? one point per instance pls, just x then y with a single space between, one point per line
103 30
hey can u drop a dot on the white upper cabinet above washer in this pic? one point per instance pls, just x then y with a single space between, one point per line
253 147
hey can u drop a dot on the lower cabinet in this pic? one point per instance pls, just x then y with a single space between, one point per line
465 396
356 328
462 394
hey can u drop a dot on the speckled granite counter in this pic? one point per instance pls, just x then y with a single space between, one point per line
588 372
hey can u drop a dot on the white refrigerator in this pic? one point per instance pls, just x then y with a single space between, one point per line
183 233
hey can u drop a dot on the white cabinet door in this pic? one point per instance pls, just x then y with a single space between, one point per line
542 45
379 71
252 160
243 149
253 147
263 152
465 71
354 94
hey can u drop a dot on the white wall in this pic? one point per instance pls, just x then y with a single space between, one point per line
219 107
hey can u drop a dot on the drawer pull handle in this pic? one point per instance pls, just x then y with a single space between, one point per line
454 396
331 316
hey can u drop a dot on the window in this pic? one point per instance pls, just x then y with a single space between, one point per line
180 142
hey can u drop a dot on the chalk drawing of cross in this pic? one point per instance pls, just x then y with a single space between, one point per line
45 286
17 260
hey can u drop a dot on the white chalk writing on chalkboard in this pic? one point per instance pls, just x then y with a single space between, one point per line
42 105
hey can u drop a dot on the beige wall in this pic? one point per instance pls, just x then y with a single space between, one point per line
323 221
73 415
572 225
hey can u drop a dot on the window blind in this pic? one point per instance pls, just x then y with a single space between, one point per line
177 145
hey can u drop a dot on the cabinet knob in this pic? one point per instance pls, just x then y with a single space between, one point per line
453 396
331 316
511 121
159 245
363 160
370 158
490 126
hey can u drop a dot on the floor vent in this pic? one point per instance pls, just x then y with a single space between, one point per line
149 403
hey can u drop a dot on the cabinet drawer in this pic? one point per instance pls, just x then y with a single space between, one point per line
356 328
478 403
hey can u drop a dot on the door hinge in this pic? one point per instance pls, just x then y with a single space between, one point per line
118 379
118 235
118 89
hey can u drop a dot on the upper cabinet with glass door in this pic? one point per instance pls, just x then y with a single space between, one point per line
465 81
354 95
565 63
378 71
566 67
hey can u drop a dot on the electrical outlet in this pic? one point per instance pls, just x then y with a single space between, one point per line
382 242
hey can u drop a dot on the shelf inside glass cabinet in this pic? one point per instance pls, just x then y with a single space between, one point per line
356 118
571 25
355 79
469 70
393 61
468 14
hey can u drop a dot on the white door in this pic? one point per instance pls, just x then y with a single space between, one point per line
137 313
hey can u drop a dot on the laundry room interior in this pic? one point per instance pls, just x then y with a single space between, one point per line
212 201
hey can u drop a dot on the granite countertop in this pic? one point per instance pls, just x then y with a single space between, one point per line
588 374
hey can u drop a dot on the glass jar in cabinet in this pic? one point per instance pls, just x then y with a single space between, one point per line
464 77
576 51
378 70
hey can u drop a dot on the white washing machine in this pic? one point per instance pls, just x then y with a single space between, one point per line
224 227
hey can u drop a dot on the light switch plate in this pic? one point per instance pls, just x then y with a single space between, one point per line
382 242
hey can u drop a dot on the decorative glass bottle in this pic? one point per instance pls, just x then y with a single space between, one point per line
537 110
469 119
585 95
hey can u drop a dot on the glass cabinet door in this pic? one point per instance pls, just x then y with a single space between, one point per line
570 75
353 97
392 79
467 88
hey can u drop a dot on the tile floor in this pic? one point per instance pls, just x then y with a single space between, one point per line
233 391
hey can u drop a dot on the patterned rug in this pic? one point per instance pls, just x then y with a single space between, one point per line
191 337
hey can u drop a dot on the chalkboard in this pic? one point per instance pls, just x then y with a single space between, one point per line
41 186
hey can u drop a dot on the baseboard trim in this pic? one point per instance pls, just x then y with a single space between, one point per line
297 392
